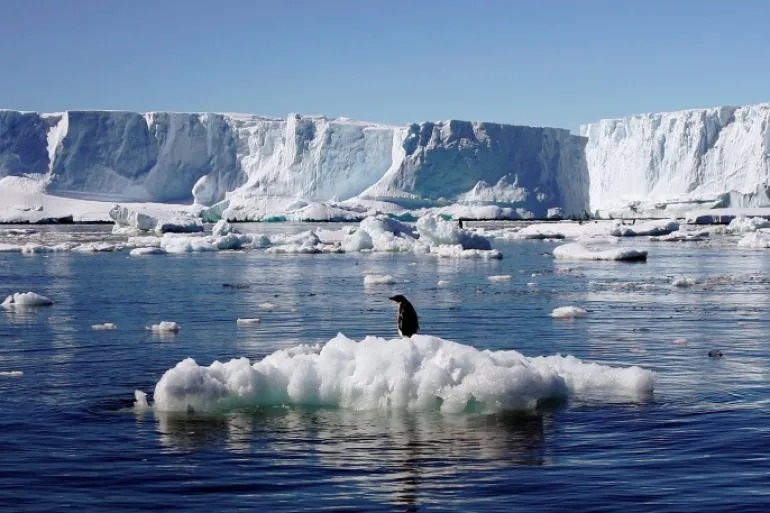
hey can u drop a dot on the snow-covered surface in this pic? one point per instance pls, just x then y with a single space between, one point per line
650 164
417 373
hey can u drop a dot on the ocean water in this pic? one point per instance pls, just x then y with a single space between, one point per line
70 438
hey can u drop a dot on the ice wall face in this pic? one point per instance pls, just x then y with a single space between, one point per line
22 143
531 169
120 156
253 161
718 156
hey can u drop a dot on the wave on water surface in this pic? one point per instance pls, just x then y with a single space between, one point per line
418 373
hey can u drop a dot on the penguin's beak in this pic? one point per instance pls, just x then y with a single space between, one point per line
392 298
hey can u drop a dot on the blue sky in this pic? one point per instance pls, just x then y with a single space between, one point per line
541 63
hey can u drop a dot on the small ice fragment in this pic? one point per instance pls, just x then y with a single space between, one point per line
247 322
104 326
376 279
500 277
140 400
166 326
442 283
22 299
11 374
267 305
567 312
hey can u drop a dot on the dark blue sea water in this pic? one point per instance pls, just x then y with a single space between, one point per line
71 441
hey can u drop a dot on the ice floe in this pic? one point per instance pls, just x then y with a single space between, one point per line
25 299
417 373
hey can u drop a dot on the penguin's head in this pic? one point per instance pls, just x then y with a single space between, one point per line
398 298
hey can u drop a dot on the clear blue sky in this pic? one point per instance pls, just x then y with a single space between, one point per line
542 63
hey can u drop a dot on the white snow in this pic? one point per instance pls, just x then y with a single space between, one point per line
417 373
25 299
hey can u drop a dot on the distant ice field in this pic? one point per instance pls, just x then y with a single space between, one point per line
365 420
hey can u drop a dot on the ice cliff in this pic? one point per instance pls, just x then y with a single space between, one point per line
718 157
248 167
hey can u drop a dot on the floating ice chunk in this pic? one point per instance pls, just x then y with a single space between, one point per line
684 282
179 224
306 242
577 251
755 240
417 373
16 232
24 299
568 312
538 232
106 326
323 211
140 400
146 251
12 374
380 233
436 231
165 326
358 240
179 243
131 221
97 247
682 236
500 277
376 279
222 227
247 321
267 305
442 283
743 224
457 251
656 227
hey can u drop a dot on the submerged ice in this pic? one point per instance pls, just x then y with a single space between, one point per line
417 373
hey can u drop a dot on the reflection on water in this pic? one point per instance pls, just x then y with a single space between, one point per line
396 454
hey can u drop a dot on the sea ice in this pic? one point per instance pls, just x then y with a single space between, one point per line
247 321
165 326
417 373
106 326
24 299
567 312
376 279
577 251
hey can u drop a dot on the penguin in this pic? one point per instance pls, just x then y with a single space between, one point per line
408 324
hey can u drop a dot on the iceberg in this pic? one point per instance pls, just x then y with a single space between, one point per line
664 164
250 167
